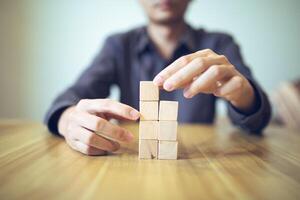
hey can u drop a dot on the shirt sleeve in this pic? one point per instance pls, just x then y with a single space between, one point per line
93 83
256 120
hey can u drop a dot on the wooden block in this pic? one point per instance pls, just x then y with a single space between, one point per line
167 150
148 91
148 149
149 110
148 130
168 110
167 130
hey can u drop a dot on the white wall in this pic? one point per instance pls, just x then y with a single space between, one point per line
44 45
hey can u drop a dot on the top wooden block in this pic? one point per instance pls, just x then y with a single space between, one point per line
148 91
168 110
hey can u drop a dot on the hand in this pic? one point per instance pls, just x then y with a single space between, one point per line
207 72
86 127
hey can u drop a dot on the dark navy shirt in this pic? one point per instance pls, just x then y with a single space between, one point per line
131 57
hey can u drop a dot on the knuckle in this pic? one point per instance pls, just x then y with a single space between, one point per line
121 135
239 82
199 61
204 51
98 124
177 79
184 60
216 71
82 103
231 67
223 58
106 103
209 51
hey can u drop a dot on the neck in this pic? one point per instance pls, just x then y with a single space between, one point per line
165 37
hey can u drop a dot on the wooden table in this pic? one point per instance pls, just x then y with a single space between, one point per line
214 163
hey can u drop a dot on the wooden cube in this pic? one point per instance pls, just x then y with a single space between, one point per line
167 150
148 149
149 110
168 110
148 130
148 91
167 130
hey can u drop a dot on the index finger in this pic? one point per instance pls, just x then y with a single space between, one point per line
103 127
108 106
188 73
178 64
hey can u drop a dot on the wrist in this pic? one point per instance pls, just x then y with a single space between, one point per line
246 102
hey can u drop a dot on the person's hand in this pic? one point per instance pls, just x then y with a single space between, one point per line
207 72
86 127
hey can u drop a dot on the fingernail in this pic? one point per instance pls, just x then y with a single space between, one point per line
134 114
187 94
217 94
158 80
168 86
129 136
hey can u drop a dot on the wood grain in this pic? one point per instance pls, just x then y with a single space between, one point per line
149 110
167 150
167 130
148 91
148 149
148 130
168 110
214 163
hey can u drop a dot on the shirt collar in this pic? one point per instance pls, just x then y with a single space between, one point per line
189 39
143 40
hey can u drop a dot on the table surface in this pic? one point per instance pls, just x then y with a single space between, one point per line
215 162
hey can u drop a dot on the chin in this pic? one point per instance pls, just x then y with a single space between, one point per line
166 18
169 21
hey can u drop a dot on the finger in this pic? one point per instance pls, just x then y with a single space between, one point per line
178 64
194 68
90 138
172 68
97 106
109 116
85 149
102 126
230 88
207 82
206 53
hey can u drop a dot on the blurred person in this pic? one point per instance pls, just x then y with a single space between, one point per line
192 66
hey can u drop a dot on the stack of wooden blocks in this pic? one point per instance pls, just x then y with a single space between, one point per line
158 124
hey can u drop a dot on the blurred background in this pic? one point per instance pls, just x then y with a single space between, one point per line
45 45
